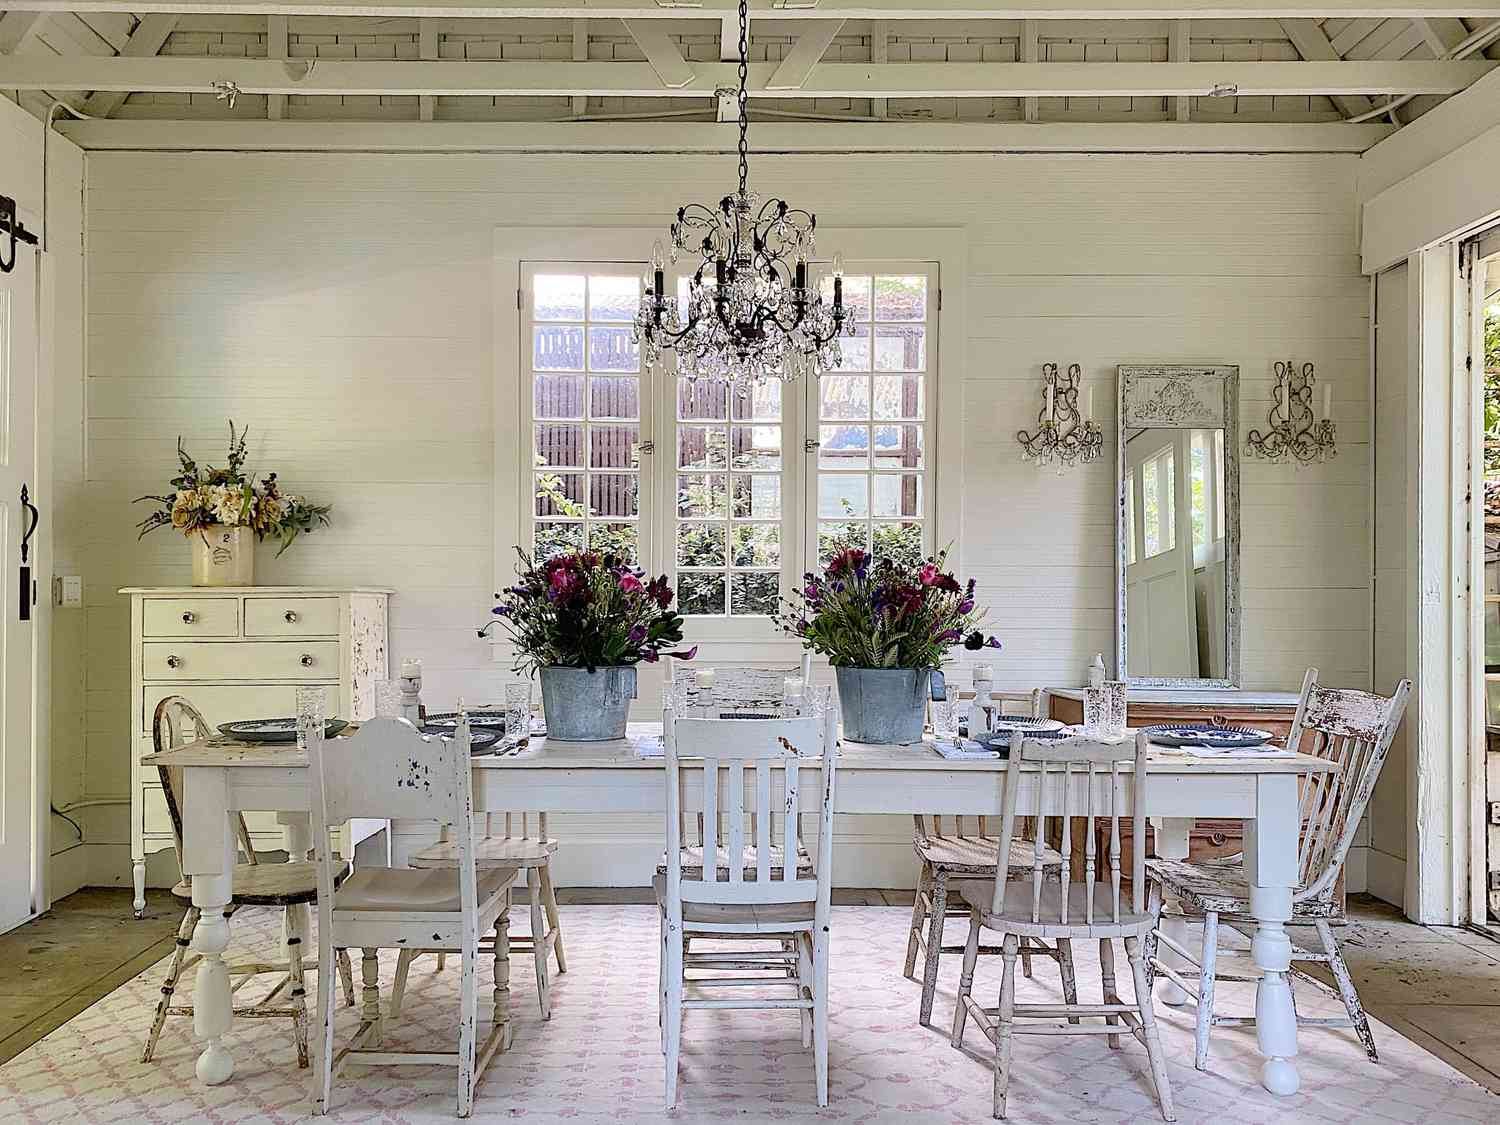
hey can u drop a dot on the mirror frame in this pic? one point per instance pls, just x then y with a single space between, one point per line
1181 396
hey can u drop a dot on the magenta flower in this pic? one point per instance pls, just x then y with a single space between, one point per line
928 574
631 584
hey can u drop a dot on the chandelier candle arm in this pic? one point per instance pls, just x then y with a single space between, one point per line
1063 435
759 318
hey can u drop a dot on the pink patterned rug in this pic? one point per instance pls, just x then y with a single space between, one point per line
598 1059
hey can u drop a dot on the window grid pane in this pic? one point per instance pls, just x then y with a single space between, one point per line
586 410
871 489
728 545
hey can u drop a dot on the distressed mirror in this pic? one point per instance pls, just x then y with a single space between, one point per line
1177 590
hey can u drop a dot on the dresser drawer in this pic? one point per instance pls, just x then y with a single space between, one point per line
228 703
244 660
190 617
291 617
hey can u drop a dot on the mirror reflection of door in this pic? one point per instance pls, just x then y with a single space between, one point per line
1174 572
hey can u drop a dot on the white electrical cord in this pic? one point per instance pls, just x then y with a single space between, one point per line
1477 41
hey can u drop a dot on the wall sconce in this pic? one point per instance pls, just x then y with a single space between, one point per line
1063 434
1295 431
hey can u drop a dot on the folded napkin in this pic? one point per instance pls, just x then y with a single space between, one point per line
964 749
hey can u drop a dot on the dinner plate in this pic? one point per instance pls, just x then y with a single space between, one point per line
482 740
274 730
488 718
1226 737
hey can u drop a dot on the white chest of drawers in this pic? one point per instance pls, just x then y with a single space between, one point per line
241 652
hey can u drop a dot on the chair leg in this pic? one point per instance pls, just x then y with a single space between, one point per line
966 981
294 927
468 1016
346 975
169 986
549 903
1207 979
1110 990
934 946
661 984
539 941
501 1014
369 973
918 917
441 963
398 986
1066 971
1026 966
820 1012
1346 988
806 982
323 1056
1002 1028
1147 1011
672 968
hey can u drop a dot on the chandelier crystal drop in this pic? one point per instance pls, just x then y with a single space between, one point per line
749 313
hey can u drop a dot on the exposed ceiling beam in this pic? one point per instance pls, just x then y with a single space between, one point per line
655 138
805 54
663 54
789 9
16 29
278 46
729 37
1441 35
1180 49
846 80
1314 46
144 42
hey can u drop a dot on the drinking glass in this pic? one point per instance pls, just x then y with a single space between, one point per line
945 720
817 699
312 705
793 697
387 699
1114 693
518 711
1095 710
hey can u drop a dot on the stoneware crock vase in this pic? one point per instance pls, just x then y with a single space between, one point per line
223 556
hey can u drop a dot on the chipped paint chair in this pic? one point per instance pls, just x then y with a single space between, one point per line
1354 729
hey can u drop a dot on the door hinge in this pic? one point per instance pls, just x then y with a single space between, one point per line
647 447
810 445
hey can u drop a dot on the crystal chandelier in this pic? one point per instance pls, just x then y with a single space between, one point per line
750 314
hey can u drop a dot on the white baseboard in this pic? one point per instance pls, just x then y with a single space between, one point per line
1385 877
67 871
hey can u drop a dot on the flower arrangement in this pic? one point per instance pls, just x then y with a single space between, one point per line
587 610
887 614
204 497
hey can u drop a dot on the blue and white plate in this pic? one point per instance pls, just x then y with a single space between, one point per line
1000 739
273 730
488 718
1207 734
482 740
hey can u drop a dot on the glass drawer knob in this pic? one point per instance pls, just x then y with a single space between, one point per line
307 660
290 617
174 662
189 617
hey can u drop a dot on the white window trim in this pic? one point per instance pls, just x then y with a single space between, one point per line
512 246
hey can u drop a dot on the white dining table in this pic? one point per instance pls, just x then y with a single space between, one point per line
222 777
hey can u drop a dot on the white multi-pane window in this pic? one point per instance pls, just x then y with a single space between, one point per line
752 484
872 484
582 393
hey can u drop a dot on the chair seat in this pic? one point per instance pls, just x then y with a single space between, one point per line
975 855
692 861
1222 888
1016 917
413 891
489 851
736 918
269 884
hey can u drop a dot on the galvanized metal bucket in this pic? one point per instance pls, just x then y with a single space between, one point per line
581 705
883 704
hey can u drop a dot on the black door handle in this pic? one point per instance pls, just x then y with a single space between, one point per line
27 593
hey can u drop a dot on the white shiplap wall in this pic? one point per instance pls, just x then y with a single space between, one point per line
342 306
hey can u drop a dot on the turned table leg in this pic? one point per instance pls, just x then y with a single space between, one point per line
1271 868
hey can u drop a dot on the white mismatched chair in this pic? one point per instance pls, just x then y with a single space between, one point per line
388 770
1075 778
1354 729
749 767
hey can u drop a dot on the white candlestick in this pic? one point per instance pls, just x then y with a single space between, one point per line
1049 402
1327 400
703 678
411 668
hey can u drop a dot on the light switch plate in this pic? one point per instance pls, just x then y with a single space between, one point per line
70 591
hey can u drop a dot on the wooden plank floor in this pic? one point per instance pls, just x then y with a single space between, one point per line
1438 986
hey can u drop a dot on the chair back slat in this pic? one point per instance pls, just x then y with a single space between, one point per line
730 793
1354 730
176 722
1070 786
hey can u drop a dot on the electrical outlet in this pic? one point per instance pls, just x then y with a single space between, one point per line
70 591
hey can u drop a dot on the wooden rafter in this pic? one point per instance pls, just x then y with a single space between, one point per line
1314 46
16 29
857 80
805 54
663 54
144 42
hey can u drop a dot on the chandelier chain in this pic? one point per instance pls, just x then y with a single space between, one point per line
744 97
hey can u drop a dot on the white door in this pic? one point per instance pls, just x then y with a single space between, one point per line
19 864
1161 618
